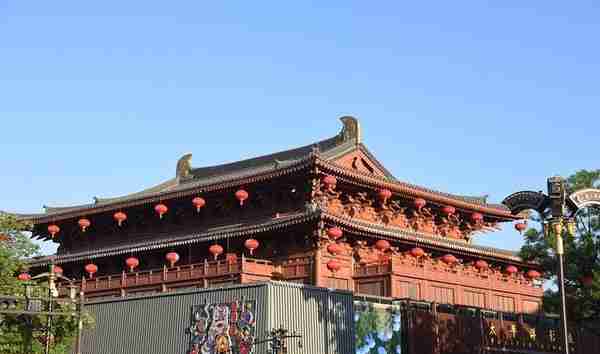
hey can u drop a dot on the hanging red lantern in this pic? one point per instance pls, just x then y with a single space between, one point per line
53 230
511 269
533 274
329 181
417 252
481 264
587 280
477 217
251 244
334 248
215 250
132 263
419 203
521 226
199 203
448 210
172 257
334 233
58 270
384 195
24 277
120 216
91 269
84 224
334 265
241 195
382 245
449 259
160 209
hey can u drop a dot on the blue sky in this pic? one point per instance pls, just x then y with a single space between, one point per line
466 97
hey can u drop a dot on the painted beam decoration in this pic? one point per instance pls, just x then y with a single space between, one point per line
526 200
223 328
377 328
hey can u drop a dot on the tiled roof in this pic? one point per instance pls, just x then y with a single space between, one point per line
189 179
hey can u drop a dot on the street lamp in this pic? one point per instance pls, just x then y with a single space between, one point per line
557 211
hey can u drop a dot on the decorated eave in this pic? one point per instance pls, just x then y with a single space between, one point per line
326 157
356 228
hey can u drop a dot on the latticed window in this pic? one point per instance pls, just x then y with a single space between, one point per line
473 298
376 288
443 295
505 303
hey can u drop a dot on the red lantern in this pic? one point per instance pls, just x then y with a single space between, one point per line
58 270
53 230
84 224
448 210
251 244
215 250
449 259
533 274
384 195
334 248
521 226
241 195
132 263
382 245
329 181
477 217
334 265
198 202
419 203
511 269
587 280
172 257
334 233
160 209
481 264
120 216
91 269
24 277
417 252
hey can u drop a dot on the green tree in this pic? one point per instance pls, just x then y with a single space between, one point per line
15 248
582 255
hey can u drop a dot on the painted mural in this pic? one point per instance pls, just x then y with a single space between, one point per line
224 328
377 328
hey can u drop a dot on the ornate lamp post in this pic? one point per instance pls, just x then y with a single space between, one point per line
557 211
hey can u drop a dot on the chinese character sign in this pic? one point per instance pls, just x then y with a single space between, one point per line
225 328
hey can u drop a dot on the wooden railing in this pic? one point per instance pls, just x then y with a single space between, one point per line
198 273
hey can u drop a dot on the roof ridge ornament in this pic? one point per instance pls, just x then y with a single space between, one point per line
184 167
351 129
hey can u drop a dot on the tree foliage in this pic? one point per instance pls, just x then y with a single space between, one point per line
15 248
582 256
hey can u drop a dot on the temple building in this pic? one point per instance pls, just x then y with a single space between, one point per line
328 214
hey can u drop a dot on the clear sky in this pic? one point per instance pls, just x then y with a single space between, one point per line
101 99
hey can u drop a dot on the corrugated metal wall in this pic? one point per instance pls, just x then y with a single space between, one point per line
158 324
322 316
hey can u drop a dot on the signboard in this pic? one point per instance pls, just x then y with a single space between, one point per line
585 197
526 200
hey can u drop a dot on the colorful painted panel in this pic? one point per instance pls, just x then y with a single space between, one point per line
377 328
225 328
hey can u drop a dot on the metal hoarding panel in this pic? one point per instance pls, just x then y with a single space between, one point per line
159 324
322 316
